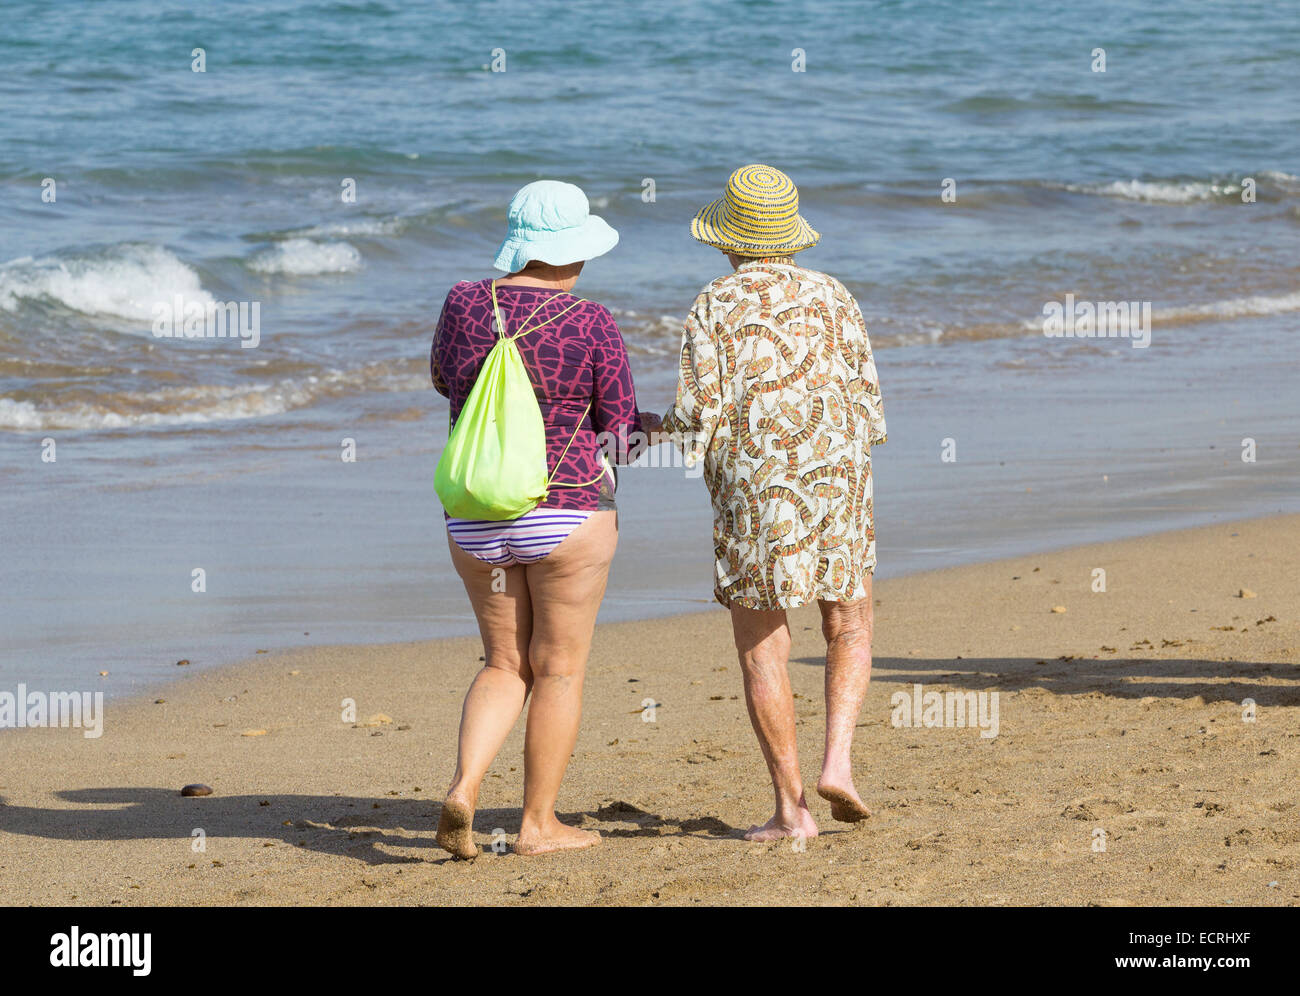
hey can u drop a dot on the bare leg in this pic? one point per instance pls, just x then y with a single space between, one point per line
566 589
763 646
847 628
497 694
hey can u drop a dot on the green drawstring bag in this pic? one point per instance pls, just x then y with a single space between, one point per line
494 466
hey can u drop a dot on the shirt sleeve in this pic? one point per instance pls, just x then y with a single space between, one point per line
693 418
613 405
435 355
876 433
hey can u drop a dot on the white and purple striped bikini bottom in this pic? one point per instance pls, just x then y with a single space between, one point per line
524 540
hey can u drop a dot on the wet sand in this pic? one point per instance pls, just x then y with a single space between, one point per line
1120 724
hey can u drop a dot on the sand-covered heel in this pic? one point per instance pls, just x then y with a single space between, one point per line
456 831
844 807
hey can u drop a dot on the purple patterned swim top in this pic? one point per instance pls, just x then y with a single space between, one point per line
576 359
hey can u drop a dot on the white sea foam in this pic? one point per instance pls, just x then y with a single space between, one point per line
200 404
125 281
1257 306
306 257
1280 178
23 415
1237 307
364 228
1159 192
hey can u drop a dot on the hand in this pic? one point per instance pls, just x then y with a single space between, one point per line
651 424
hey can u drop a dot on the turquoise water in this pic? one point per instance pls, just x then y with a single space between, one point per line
226 185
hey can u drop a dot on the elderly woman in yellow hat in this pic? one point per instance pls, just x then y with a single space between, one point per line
778 395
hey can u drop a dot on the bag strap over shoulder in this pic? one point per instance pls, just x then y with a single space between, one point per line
524 329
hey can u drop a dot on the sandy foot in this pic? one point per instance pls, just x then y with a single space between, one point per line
845 804
557 837
456 830
776 829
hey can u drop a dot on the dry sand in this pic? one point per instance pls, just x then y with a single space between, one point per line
1122 715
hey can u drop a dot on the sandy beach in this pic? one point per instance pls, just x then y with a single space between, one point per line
1122 772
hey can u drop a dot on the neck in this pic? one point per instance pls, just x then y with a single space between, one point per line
544 275
738 261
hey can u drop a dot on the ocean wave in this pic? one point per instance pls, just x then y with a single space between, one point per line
26 416
648 335
122 281
207 403
1238 307
366 228
302 257
660 335
1288 183
1257 306
412 218
1172 191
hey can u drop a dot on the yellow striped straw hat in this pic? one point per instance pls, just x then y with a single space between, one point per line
758 215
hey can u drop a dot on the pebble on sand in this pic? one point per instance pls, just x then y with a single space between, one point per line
253 733
1058 608
196 789
1245 593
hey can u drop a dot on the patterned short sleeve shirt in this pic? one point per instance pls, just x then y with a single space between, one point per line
778 395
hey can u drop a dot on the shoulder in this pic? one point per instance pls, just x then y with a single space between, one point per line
726 284
597 320
462 290
836 288
463 295
814 284
814 281
462 287
593 310
720 291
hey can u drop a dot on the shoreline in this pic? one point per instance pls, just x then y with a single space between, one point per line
142 691
1122 715
301 546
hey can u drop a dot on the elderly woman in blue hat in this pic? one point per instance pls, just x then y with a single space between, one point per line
778 396
536 582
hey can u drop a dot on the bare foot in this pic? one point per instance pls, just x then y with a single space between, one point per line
456 830
555 837
800 827
845 804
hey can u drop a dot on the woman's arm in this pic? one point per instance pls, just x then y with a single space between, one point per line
435 356
876 432
613 406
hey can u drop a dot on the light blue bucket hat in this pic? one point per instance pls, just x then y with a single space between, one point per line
551 222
